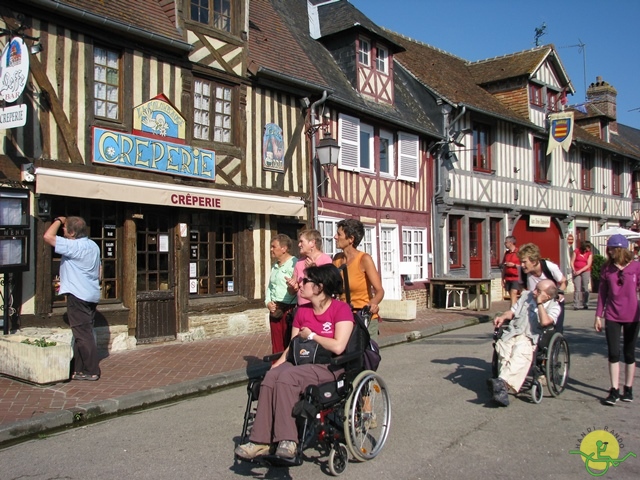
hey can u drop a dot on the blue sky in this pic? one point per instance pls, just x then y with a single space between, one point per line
478 29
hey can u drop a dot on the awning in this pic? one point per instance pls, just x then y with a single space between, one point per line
102 187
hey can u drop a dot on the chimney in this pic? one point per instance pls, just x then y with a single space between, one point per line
602 96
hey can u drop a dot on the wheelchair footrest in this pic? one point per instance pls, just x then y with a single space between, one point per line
276 461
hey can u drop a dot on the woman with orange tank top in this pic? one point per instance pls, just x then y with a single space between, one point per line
365 285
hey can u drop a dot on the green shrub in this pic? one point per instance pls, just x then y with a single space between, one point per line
39 342
596 267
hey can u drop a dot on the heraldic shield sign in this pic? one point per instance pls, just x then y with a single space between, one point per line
560 131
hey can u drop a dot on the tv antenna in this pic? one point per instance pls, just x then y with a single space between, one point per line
582 48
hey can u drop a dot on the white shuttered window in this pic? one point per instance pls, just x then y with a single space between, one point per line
408 157
349 140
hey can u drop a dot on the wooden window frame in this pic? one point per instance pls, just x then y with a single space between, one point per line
221 260
482 147
495 230
366 163
635 184
382 60
390 154
553 99
586 170
96 82
215 17
408 157
541 161
213 114
455 237
364 55
414 243
535 95
616 177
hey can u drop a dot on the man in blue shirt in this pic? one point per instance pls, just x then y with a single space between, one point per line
80 281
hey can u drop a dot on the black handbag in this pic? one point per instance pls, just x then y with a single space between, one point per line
303 352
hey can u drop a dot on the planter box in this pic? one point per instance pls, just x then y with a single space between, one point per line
34 364
398 310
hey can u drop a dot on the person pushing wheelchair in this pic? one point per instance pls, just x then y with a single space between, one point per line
534 311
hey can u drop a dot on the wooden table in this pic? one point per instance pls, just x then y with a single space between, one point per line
462 282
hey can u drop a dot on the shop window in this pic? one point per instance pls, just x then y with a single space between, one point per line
106 83
212 254
413 249
215 13
455 230
212 108
103 219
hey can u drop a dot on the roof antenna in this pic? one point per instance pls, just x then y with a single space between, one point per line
582 48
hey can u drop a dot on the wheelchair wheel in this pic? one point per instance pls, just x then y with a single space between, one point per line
338 459
557 365
367 416
536 392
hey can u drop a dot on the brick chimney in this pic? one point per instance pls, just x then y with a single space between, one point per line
602 96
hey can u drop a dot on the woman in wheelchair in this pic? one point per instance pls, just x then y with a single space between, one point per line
515 348
326 323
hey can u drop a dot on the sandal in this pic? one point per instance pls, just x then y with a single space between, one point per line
77 375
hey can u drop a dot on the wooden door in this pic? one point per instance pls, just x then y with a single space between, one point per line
155 297
475 248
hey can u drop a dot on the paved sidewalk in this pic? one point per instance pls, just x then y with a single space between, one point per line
152 374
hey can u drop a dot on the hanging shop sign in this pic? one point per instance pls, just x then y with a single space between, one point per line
143 153
14 116
273 148
158 118
14 70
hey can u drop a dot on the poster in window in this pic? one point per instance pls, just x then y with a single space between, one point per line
193 270
110 231
163 243
194 251
193 285
109 249
11 251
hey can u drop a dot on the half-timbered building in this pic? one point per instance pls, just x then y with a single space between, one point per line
381 117
136 120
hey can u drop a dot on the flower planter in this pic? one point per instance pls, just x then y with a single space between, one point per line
34 364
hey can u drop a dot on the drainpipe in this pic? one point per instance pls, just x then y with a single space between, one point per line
313 158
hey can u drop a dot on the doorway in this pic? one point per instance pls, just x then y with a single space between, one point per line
475 248
390 260
155 293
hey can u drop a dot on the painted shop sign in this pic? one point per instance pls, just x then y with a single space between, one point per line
14 116
273 148
149 154
539 221
14 70
160 119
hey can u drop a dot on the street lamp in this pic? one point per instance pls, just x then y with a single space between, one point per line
325 153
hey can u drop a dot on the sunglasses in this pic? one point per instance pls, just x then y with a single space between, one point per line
620 278
305 280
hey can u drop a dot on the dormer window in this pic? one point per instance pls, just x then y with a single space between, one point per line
364 52
382 60
216 13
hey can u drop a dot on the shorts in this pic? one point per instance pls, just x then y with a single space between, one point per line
512 285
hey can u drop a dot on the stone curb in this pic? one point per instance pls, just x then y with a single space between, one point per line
46 423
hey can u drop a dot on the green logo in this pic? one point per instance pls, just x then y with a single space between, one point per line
599 450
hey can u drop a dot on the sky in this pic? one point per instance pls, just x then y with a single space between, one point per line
480 29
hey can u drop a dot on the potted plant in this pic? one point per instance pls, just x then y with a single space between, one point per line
596 267
35 360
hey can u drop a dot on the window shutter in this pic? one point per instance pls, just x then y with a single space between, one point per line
349 140
408 157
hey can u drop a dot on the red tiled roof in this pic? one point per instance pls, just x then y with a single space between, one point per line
148 15
273 46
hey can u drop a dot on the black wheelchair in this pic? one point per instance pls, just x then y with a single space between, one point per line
551 361
351 415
